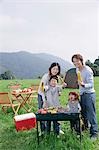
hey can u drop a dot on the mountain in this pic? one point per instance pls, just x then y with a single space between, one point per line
28 65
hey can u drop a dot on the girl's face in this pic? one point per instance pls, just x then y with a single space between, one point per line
53 82
77 63
54 70
71 97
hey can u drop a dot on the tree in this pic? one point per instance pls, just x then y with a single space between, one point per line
88 62
39 77
7 75
96 61
94 66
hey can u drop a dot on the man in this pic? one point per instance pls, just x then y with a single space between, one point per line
87 94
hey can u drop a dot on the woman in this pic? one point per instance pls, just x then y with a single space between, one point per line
54 69
87 94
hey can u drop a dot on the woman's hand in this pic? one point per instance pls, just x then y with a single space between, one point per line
64 84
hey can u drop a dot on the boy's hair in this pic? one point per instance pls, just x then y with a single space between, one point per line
75 94
77 56
53 77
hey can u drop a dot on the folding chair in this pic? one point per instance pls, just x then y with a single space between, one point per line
35 90
12 88
6 101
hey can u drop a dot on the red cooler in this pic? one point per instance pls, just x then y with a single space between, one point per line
25 121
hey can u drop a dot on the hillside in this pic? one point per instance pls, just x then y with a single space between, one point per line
28 65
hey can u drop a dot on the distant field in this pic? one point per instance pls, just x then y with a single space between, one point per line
24 83
26 140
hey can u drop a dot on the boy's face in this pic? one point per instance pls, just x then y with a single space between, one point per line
71 97
53 82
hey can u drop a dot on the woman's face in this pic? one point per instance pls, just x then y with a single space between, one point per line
77 63
54 70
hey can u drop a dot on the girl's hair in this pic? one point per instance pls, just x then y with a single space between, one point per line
53 77
53 65
77 56
75 94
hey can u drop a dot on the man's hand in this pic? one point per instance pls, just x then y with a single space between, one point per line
81 83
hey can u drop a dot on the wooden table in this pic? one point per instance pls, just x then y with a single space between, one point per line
58 117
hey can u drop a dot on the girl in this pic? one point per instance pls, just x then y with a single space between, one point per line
73 106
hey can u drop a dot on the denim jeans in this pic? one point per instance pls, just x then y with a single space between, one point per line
89 111
46 126
56 127
75 125
40 105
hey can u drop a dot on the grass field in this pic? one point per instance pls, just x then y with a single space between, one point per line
10 139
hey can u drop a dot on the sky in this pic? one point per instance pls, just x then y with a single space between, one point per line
58 27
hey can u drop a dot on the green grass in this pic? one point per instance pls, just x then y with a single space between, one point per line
10 139
24 83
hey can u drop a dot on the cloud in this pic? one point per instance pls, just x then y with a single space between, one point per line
58 27
11 23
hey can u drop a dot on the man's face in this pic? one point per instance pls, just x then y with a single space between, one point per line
53 82
77 63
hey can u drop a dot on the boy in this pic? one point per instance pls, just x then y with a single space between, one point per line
52 100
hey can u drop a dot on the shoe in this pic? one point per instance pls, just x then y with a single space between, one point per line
58 136
61 132
94 137
41 133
